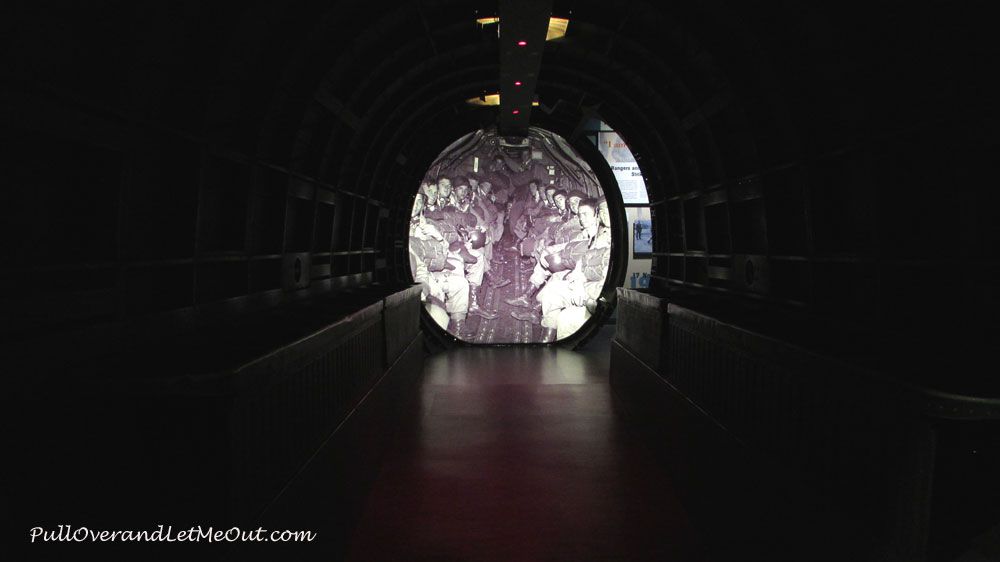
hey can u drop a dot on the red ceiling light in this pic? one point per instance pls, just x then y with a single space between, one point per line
516 111
521 43
517 82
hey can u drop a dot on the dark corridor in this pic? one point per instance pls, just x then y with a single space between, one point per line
516 454
208 316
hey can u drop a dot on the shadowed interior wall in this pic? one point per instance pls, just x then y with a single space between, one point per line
168 165
179 155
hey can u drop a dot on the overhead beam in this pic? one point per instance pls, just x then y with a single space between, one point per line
524 21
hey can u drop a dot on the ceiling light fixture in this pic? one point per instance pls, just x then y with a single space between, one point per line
490 100
484 99
557 26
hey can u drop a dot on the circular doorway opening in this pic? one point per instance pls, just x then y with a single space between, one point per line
510 239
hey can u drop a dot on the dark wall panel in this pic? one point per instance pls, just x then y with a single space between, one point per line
162 199
61 208
224 200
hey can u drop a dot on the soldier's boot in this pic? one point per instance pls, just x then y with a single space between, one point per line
527 300
474 304
495 283
529 316
548 335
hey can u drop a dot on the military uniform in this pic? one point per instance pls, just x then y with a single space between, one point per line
449 220
441 273
539 234
567 231
562 292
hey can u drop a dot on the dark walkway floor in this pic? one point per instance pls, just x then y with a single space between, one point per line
517 454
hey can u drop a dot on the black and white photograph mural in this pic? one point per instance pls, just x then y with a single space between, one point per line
511 241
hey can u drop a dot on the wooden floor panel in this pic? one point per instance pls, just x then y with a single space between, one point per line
517 454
